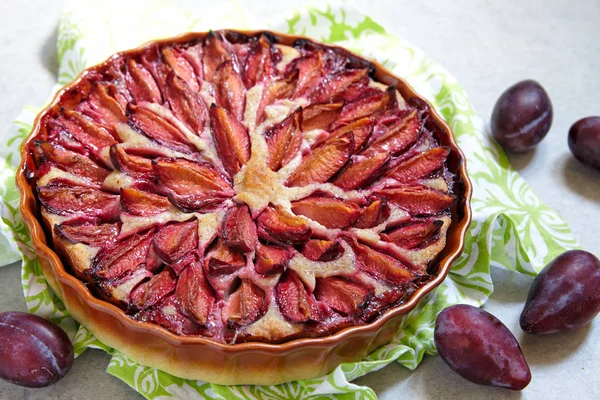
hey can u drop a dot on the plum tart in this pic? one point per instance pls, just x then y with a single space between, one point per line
243 187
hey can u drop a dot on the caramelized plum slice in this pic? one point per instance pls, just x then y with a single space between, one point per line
274 90
222 259
259 64
141 203
194 295
322 250
381 265
310 72
376 213
275 224
166 314
413 235
184 176
342 295
419 199
186 105
132 253
193 55
231 139
284 140
362 171
323 162
118 290
239 230
216 52
151 292
176 240
245 305
420 166
271 259
331 89
159 129
320 116
329 212
132 165
103 106
193 186
79 201
361 129
294 302
70 161
89 234
229 90
92 136
397 138
369 106
182 68
141 84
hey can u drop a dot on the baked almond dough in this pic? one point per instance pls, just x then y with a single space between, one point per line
243 190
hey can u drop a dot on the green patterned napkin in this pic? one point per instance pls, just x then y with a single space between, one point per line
511 227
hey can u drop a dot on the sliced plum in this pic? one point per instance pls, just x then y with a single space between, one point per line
230 92
342 295
185 104
329 212
414 234
216 52
369 106
231 139
331 89
259 65
397 138
222 259
284 140
322 250
175 59
73 201
382 265
89 234
245 305
142 203
151 292
158 129
374 214
132 253
419 166
279 226
271 259
320 116
176 240
70 161
141 84
361 129
239 230
294 302
418 199
132 165
195 297
362 171
323 162
192 186
105 104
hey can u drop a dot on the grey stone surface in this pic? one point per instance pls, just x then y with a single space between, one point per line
488 45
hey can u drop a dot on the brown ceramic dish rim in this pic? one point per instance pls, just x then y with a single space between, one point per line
454 244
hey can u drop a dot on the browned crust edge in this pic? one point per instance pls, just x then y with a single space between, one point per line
251 362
